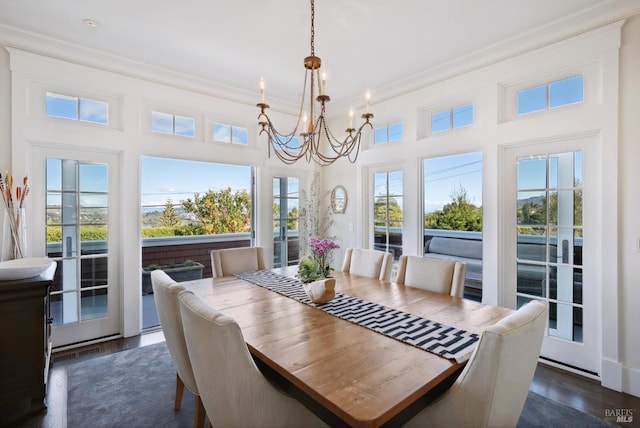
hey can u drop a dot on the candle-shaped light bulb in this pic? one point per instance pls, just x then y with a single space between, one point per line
262 90
323 88
368 98
350 118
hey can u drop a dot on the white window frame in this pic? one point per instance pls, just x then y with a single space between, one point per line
387 140
231 127
508 91
37 108
173 119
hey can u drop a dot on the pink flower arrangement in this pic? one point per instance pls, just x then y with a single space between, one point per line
321 249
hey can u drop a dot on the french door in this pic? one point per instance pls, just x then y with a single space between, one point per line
550 245
286 230
76 224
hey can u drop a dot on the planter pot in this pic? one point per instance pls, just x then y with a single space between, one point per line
321 291
178 273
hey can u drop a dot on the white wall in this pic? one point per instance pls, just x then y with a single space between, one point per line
629 226
5 116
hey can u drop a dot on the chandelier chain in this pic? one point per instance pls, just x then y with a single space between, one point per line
313 30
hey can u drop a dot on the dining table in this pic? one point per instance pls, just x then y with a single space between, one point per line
347 374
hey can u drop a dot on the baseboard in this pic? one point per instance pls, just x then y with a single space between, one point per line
568 368
620 378
631 381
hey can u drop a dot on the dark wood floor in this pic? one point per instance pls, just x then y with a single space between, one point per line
572 390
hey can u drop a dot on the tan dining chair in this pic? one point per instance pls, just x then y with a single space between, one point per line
234 391
437 275
230 261
165 292
370 263
492 388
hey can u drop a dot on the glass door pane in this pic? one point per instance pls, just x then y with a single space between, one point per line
387 212
549 238
286 212
77 219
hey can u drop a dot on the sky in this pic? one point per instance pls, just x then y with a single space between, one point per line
177 180
444 175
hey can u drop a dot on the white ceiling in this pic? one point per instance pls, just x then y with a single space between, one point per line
386 46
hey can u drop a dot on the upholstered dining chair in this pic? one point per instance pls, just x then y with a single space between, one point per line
233 390
438 275
370 263
165 292
492 388
236 260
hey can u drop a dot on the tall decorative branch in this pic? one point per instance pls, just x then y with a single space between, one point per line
315 215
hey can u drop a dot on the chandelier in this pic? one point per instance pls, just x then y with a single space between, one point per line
290 147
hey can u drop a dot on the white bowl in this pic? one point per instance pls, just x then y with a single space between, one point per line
12 270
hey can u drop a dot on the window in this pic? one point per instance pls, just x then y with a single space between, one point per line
230 134
387 134
167 123
76 108
452 204
456 117
387 212
550 95
196 198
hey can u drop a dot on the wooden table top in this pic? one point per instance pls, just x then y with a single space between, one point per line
362 377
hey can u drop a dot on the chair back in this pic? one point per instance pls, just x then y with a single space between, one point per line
369 263
165 293
444 276
235 393
230 261
492 388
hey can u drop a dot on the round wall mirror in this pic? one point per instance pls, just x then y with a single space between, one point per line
339 199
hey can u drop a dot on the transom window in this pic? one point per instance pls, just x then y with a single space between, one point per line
452 118
167 123
550 95
387 134
230 134
77 108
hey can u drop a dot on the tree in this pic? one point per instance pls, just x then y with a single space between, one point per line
224 211
390 216
292 217
169 216
459 214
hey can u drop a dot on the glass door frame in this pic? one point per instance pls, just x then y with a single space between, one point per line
98 328
583 357
283 238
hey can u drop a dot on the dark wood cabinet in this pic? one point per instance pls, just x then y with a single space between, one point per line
25 344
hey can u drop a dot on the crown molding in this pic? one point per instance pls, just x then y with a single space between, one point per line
38 44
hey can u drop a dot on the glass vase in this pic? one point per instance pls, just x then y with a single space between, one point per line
14 235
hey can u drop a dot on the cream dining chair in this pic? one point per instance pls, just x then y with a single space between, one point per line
492 388
230 261
437 275
165 292
233 390
370 263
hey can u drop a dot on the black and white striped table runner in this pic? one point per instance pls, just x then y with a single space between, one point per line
431 336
